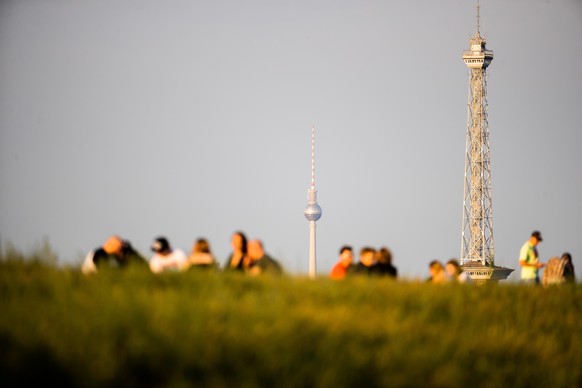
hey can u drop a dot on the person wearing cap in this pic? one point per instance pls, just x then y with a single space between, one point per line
529 259
165 257
115 252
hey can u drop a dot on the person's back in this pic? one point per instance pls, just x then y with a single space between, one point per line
558 270
554 272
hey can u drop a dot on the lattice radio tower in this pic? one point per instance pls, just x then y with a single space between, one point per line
477 251
477 230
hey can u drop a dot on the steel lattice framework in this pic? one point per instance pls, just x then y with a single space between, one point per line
477 230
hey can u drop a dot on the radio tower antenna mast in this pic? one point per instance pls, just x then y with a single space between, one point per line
312 210
477 250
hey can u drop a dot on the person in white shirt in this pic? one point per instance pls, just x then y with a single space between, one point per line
165 258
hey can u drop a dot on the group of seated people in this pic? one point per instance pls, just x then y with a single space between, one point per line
372 262
249 256
450 272
246 256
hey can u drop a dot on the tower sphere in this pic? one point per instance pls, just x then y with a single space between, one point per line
312 212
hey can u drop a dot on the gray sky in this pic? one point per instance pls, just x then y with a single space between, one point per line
193 119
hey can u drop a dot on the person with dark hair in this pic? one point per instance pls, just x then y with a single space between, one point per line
346 260
437 273
201 256
456 273
384 265
260 262
238 259
529 259
115 252
366 264
165 257
559 270
569 274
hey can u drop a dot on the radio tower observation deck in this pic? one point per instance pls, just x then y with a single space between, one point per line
477 251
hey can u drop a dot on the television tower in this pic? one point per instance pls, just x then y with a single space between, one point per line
312 210
477 251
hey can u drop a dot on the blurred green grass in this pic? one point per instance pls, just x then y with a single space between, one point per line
132 328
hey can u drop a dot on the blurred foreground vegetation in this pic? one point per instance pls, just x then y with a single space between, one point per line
132 328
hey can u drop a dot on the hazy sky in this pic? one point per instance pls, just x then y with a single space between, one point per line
193 119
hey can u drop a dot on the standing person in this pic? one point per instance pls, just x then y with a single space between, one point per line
201 256
166 258
238 259
345 261
455 272
260 262
366 264
529 259
115 252
384 265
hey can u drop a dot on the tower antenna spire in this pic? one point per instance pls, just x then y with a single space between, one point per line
478 18
312 157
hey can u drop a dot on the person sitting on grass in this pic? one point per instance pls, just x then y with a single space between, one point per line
260 262
166 258
367 263
384 265
345 262
456 273
239 259
559 270
115 252
437 273
201 256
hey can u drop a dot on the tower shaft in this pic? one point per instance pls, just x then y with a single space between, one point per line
477 251
312 250
477 229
